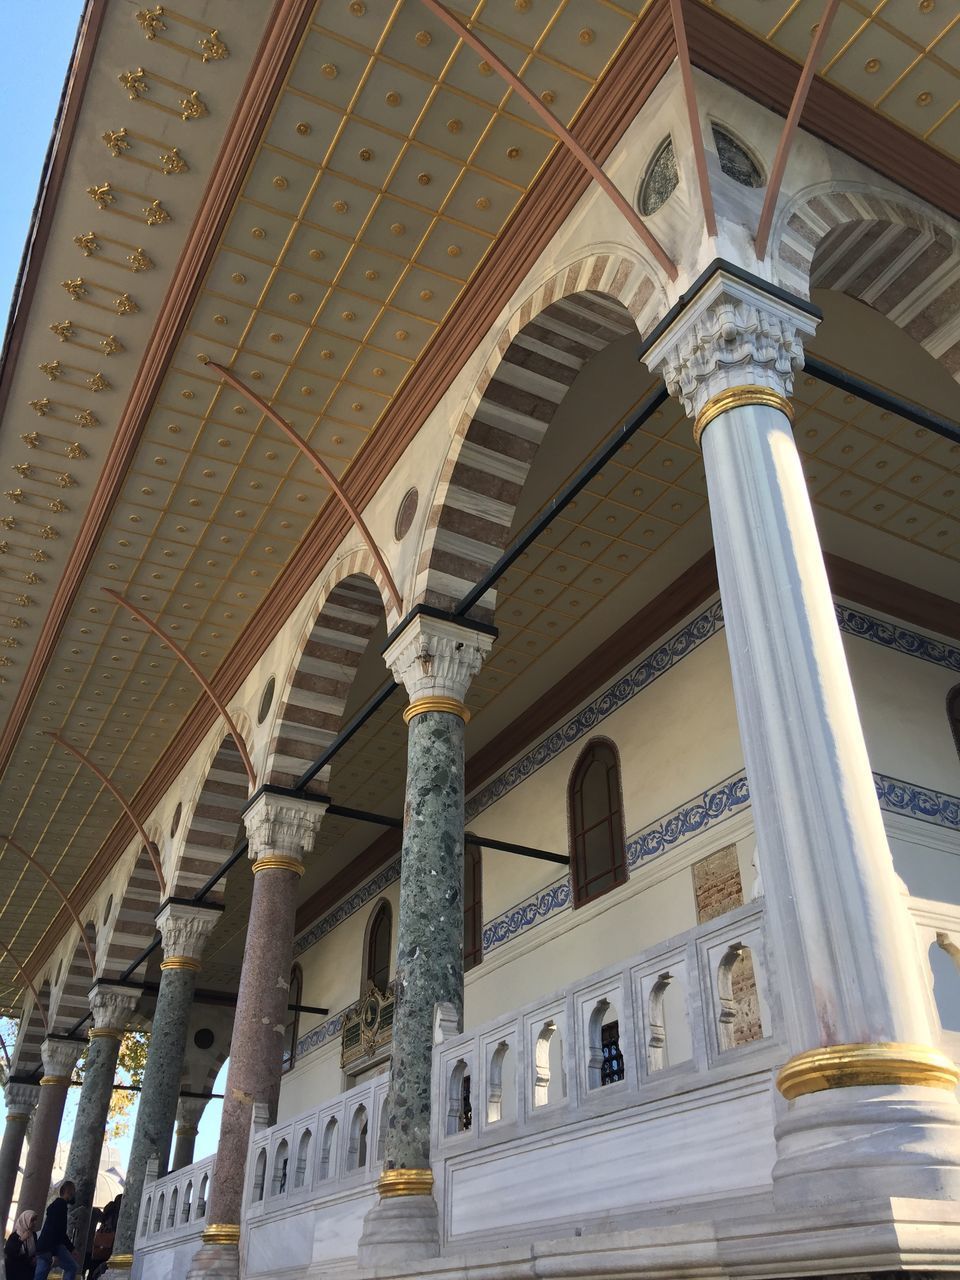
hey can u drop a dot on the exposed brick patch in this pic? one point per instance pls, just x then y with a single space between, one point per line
717 886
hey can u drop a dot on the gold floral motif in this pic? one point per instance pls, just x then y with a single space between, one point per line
75 450
31 439
7 522
32 578
48 531
117 141
87 419
22 469
4 548
40 556
139 261
212 48
151 21
88 244
97 382
23 601
17 623
63 329
65 480
193 106
125 305
156 214
52 368
173 162
76 288
133 82
111 345
10 642
5 661
57 505
15 495
102 195
40 406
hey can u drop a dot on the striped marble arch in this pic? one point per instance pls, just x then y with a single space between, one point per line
312 713
215 827
71 1004
888 255
25 1059
132 927
571 318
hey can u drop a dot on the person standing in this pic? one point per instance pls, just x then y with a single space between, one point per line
53 1243
20 1250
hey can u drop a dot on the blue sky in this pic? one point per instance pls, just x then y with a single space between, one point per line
34 56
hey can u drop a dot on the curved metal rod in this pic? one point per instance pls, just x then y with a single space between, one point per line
22 972
322 467
63 897
151 848
198 675
566 137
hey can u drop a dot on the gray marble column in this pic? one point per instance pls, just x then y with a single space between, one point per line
21 1100
189 1113
59 1059
112 1008
184 930
435 659
281 831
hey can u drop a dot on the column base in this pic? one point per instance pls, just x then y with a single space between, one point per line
214 1259
119 1267
867 1143
400 1229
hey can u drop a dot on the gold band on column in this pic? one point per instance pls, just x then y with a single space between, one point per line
281 860
221 1233
121 1261
180 962
734 398
105 1033
844 1066
405 1182
54 1080
452 706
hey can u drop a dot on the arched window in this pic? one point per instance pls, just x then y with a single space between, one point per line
472 906
292 1029
598 854
953 714
378 947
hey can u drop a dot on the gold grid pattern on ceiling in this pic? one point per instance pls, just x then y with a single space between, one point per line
902 57
392 161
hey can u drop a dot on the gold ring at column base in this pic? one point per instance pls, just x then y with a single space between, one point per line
845 1066
734 398
180 962
121 1261
105 1033
281 860
221 1233
54 1080
452 706
405 1182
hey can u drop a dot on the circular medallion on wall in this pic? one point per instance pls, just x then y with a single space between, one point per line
204 1038
405 514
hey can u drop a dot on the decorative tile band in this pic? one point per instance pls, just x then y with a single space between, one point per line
359 898
319 1035
911 801
892 636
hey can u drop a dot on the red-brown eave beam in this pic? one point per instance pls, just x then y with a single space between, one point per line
58 889
352 510
693 117
566 137
775 181
197 674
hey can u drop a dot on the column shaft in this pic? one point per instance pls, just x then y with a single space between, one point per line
21 1100
86 1145
38 1170
429 927
186 1140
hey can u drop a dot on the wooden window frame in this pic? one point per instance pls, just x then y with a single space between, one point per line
472 906
580 886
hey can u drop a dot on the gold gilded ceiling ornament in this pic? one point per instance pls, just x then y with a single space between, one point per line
86 418
193 106
88 244
483 203
10 642
57 505
4 548
65 480
40 406
173 162
304 129
151 21
5 661
212 48
924 99
76 288
139 261
117 141
548 97
134 83
329 70
75 450
22 469
63 329
156 214
40 556
454 125
586 36
31 439
125 305
52 368
872 66
280 182
23 601
392 99
49 532
15 495
97 382
7 522
17 623
340 206
111 345
357 8
424 38
32 578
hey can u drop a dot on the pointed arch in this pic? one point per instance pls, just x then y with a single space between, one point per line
311 713
133 925
71 1004
214 829
26 1057
897 257
545 344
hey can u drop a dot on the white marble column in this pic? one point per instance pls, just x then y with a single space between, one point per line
21 1100
435 658
872 1110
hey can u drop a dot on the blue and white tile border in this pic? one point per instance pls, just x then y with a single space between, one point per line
893 636
343 910
913 801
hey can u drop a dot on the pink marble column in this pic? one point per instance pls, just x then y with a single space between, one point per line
59 1059
21 1100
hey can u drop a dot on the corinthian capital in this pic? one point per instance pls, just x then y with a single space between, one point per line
185 929
281 826
731 334
60 1056
112 1007
21 1099
437 658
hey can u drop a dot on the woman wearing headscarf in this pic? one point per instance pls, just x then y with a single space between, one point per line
20 1250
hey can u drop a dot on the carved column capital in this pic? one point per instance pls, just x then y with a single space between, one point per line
184 931
436 657
60 1056
112 1008
730 335
189 1114
21 1099
281 830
